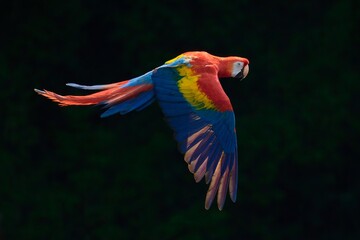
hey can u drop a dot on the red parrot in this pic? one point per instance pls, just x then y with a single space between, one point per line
195 106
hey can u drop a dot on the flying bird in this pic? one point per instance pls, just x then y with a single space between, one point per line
195 105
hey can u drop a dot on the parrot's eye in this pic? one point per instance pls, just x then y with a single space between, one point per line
237 69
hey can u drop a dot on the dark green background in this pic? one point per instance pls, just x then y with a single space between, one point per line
67 174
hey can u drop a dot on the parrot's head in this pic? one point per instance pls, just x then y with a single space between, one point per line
240 68
236 67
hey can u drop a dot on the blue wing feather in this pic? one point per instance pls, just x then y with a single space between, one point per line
207 137
140 102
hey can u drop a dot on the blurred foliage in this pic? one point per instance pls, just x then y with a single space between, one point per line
67 174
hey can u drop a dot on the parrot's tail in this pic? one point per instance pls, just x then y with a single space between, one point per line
121 97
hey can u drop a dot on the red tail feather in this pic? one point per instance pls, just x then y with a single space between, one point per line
111 95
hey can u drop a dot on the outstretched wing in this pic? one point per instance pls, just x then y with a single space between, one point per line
201 115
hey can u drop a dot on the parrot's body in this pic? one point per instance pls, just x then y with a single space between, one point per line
195 105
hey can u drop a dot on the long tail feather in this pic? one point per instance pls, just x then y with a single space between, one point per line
121 97
91 99
96 87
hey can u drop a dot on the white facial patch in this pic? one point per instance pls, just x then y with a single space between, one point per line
237 67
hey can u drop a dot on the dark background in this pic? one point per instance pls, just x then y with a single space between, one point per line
67 174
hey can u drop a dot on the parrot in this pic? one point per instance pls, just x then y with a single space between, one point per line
194 104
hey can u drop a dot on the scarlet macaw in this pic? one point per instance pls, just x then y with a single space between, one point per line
194 104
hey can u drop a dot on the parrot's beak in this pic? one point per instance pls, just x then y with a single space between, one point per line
243 73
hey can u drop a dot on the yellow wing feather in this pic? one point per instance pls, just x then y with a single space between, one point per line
188 86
